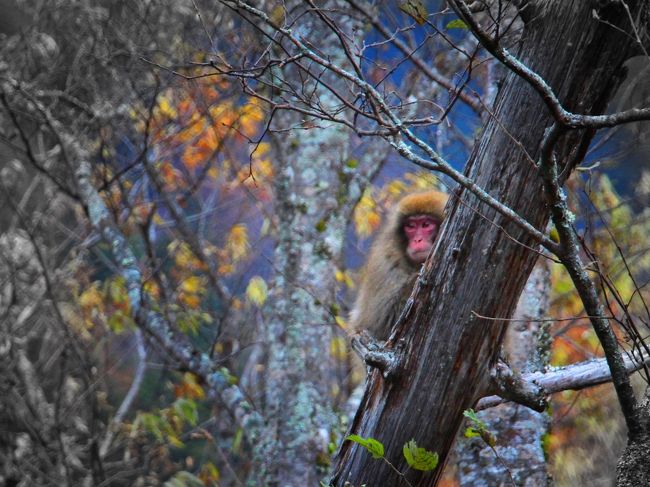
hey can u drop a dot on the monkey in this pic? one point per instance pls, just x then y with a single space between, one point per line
394 260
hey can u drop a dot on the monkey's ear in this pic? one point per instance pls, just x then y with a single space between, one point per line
426 203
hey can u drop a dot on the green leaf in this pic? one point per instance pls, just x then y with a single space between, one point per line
321 226
153 425
186 409
554 235
456 24
414 9
232 380
479 428
471 415
189 322
419 458
331 448
351 163
237 441
116 322
375 447
471 433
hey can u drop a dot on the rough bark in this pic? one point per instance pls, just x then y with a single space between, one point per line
633 468
479 266
315 194
519 431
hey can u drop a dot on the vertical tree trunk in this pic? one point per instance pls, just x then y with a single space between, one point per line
519 431
315 194
480 268
633 468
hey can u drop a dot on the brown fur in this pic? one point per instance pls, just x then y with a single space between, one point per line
388 275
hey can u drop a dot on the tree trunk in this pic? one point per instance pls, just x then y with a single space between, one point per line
633 467
315 194
519 431
478 267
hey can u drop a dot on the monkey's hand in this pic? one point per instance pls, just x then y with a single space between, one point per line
375 354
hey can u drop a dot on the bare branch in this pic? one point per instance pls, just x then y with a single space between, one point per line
375 355
539 84
510 386
569 254
424 66
131 394
572 377
177 346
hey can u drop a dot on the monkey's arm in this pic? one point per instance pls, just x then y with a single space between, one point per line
382 293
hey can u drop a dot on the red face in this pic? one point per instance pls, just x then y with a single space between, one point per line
420 231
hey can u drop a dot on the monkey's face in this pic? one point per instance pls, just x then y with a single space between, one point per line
420 232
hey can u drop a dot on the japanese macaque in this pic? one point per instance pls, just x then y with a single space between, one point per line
394 261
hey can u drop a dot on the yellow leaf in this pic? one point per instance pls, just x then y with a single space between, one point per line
118 294
396 188
152 289
192 388
190 300
263 169
257 291
349 282
209 474
251 116
421 180
338 348
373 221
166 109
237 242
175 441
341 322
201 150
193 284
263 148
192 288
193 129
366 218
344 277
184 257
91 297
169 174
